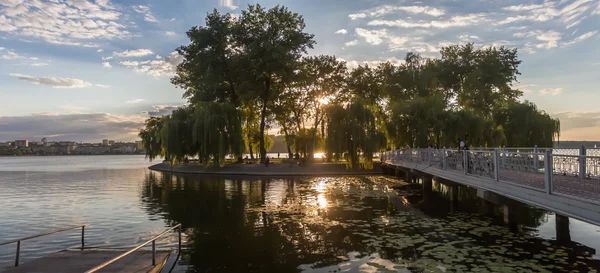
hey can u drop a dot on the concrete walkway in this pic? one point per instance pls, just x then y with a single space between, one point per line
77 261
283 169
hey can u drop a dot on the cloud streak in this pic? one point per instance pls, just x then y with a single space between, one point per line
53 82
74 126
133 53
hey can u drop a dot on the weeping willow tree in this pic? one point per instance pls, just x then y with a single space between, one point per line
176 135
151 140
526 126
352 133
418 122
217 131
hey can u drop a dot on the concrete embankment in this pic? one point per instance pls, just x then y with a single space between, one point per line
284 169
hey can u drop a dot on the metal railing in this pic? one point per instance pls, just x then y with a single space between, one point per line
566 174
18 241
153 241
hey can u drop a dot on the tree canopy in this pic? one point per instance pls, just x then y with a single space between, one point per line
245 74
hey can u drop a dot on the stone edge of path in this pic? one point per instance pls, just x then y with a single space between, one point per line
161 167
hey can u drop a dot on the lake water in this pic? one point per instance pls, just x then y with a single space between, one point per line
328 224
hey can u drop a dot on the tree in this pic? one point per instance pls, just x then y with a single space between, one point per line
211 69
480 79
217 132
418 122
351 131
272 42
323 79
151 138
526 126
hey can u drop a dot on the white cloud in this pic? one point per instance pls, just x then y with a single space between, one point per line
64 22
466 38
141 9
150 18
39 64
162 67
341 31
388 9
172 19
160 110
228 4
107 58
523 7
351 43
106 64
551 91
53 82
102 85
580 38
100 50
145 10
455 21
130 63
357 16
133 53
11 55
525 87
374 63
374 37
170 33
134 101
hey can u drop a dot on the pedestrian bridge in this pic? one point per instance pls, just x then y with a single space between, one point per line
566 182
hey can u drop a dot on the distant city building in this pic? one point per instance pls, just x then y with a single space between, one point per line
4 144
111 142
105 142
44 141
22 143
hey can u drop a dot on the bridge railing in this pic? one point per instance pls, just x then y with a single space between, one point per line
573 175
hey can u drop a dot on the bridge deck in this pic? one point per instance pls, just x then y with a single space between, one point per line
70 261
570 194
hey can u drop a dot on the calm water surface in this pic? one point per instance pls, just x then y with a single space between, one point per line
341 224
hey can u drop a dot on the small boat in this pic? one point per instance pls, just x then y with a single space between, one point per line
93 259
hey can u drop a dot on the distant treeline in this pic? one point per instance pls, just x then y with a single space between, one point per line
576 144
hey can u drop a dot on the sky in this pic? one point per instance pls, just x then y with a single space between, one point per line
85 70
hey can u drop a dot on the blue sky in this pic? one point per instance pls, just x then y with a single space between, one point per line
85 70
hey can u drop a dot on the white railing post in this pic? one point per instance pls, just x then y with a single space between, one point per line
504 157
428 156
582 162
535 159
496 164
548 170
444 159
465 161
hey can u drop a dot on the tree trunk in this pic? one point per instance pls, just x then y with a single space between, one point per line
323 127
314 136
263 116
290 155
251 152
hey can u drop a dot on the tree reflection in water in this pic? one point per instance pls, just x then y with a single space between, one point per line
358 224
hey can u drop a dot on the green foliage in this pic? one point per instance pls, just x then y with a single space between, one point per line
351 131
525 126
272 42
217 131
418 122
151 138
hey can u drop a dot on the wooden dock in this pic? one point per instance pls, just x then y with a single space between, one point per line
78 261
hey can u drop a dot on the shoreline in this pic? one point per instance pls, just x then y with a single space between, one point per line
279 170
